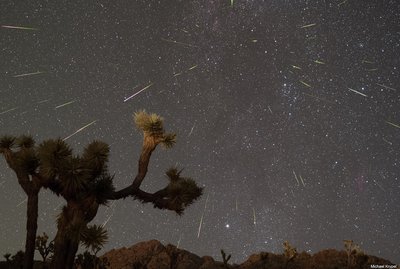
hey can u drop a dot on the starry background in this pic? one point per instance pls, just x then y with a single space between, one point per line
287 112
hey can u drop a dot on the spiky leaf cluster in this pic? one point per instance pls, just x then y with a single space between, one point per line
26 160
182 191
149 123
95 157
25 141
169 140
102 188
74 178
6 142
94 237
152 126
53 155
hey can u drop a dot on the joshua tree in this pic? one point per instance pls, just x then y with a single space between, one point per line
93 238
85 183
7 257
20 156
44 249
289 252
225 258
17 260
352 250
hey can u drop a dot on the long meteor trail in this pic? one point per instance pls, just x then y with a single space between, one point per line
387 87
202 216
79 130
65 104
19 27
9 110
308 25
133 95
360 93
26 199
28 74
393 124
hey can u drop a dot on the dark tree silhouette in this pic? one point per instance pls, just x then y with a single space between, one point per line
7 257
85 183
21 158
44 249
94 239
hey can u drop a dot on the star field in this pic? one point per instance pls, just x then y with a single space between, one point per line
287 113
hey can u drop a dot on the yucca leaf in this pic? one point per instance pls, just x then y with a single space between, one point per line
7 142
149 123
94 236
25 141
169 140
95 157
26 160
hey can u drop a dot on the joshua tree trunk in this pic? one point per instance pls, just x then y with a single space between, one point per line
31 228
75 216
65 251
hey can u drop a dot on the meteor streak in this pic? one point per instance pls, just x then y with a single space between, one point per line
305 84
296 67
191 131
302 181
177 42
11 109
65 104
387 87
177 74
57 206
22 202
19 27
201 222
387 141
367 62
254 217
79 130
193 67
202 215
360 93
318 62
295 176
393 124
148 86
378 185
107 220
28 74
179 241
308 25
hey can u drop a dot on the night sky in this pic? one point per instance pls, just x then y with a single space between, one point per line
287 113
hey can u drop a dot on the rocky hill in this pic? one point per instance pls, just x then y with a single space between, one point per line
154 255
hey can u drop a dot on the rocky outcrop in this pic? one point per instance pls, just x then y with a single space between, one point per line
154 255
